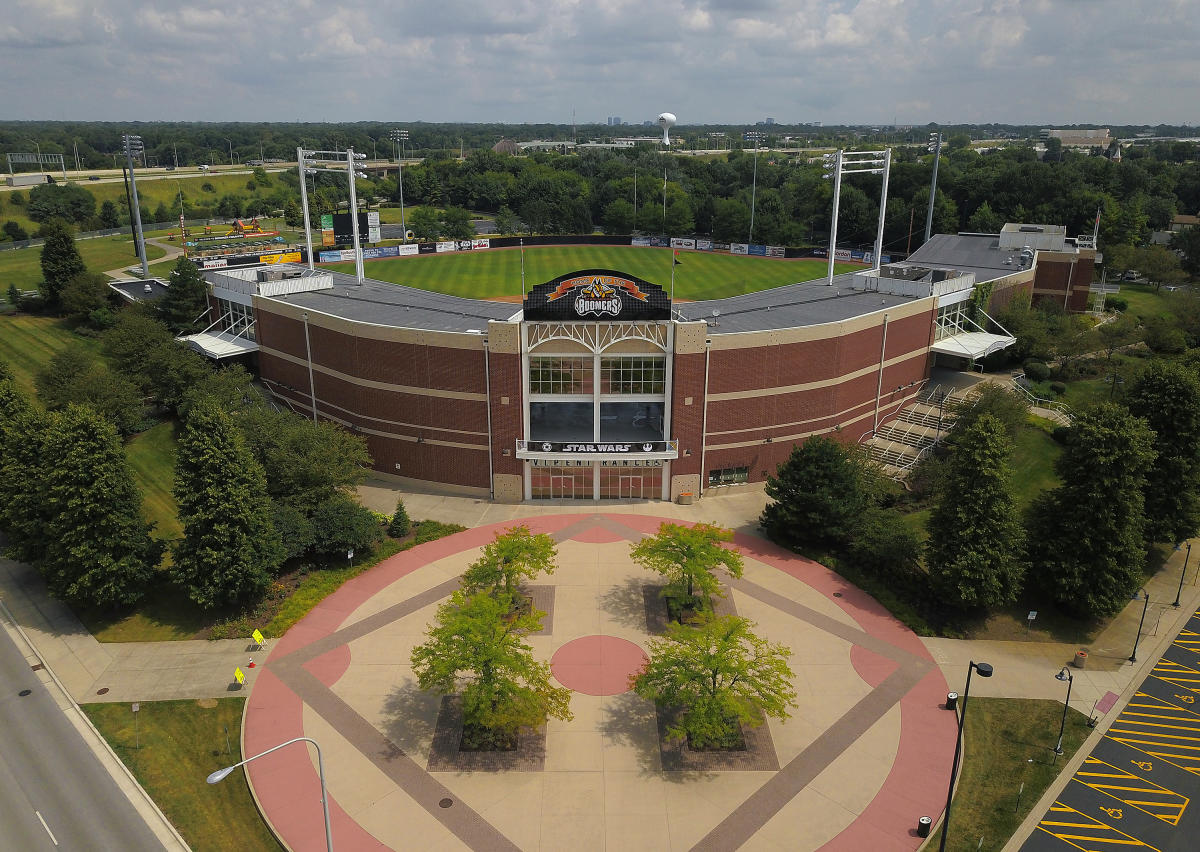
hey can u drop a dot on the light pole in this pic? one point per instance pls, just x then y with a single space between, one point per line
221 774
352 167
753 193
133 146
300 154
1133 656
1182 573
856 162
399 137
230 141
935 148
985 670
1066 675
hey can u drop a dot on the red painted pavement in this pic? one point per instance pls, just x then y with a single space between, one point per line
597 665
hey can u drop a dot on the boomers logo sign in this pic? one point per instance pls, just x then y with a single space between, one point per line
597 294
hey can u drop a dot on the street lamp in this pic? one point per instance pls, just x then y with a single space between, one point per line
1133 656
985 670
221 774
1066 675
1182 573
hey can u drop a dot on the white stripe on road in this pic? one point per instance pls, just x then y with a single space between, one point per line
48 831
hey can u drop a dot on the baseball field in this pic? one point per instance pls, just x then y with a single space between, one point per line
496 273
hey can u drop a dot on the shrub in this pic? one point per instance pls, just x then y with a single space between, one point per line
1116 303
1058 387
340 524
1036 371
1061 434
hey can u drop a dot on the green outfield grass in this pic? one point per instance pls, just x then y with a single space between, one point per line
151 454
23 267
497 273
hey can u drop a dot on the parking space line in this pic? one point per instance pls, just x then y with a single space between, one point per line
1133 728
1133 790
1087 833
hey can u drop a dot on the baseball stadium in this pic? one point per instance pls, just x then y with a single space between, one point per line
654 370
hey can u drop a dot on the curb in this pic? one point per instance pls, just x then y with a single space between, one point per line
165 828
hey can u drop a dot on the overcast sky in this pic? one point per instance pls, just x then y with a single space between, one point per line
708 61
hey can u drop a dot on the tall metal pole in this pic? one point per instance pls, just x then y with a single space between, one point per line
1145 604
887 167
985 670
351 162
837 194
1182 573
304 204
137 213
1070 679
937 155
400 176
753 193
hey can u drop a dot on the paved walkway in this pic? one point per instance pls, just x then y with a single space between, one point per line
865 753
172 251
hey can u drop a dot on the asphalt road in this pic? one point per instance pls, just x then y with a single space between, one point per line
54 794
1139 787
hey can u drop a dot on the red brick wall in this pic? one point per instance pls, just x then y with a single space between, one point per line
505 379
687 420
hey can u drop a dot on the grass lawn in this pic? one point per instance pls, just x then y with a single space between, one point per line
488 274
23 267
181 742
1008 742
27 343
1034 452
152 456
1143 301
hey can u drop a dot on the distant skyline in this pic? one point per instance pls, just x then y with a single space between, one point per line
1048 62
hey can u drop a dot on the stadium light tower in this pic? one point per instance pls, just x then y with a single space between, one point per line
132 146
935 148
400 137
857 162
352 161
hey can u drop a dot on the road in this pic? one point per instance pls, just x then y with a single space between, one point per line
54 794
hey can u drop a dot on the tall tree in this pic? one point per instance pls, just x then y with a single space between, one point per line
99 551
1086 536
477 645
1167 396
229 547
687 557
512 556
722 675
187 297
818 494
23 507
108 215
976 542
60 260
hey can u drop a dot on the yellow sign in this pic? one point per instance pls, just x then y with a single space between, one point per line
239 677
286 257
258 638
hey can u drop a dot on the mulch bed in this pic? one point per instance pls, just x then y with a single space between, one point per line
446 753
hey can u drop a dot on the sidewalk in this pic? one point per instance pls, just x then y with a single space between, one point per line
172 252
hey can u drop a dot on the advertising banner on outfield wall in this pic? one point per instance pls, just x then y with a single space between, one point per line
426 248
214 263
842 254
682 243
640 241
756 249
480 244
660 242
385 251
776 251
856 254
446 246
720 246
465 245
407 249
704 245
286 257
739 248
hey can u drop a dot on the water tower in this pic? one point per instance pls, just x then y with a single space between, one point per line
666 120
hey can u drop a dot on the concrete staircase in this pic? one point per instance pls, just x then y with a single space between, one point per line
899 444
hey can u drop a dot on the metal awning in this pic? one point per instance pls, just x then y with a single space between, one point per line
218 346
972 344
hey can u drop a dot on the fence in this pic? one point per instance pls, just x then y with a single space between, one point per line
124 229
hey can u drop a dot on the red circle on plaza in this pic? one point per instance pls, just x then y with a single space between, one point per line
597 665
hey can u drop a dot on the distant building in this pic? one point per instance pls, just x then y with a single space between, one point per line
614 121
506 146
1183 222
1077 138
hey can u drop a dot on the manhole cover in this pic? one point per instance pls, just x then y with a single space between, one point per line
102 690
445 803
837 594
25 692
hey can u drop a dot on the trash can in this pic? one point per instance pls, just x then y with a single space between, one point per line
1080 660
686 498
951 700
923 826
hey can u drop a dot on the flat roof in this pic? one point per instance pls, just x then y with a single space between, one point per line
978 253
134 289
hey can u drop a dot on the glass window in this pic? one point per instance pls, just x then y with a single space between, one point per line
626 483
560 483
560 421
631 421
549 374
728 476
640 374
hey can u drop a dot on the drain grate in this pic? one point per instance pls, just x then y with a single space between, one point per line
25 692
37 667
102 690
445 803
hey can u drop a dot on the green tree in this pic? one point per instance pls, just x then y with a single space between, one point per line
456 223
730 220
1086 536
722 675
60 201
229 547
618 217
85 293
680 219
506 221
687 557
130 341
14 231
512 556
1167 396
425 223
99 551
885 546
75 376
108 215
477 644
60 260
341 525
23 507
186 298
293 215
1187 242
984 220
976 542
818 494
400 524
1160 265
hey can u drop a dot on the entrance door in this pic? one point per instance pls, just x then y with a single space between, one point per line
562 487
631 487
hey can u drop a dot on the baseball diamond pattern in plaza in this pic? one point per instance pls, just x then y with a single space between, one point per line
1135 790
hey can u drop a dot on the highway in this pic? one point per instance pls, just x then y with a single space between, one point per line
54 793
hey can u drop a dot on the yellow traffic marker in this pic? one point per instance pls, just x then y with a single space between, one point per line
239 676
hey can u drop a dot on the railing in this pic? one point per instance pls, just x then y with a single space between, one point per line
1061 409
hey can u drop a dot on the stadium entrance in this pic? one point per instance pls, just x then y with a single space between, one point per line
596 369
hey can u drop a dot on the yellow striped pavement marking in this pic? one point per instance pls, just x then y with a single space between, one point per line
1160 729
1133 790
1087 833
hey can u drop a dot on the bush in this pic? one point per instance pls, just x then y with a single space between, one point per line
885 547
1036 371
339 525
1116 303
1058 387
1061 434
400 525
